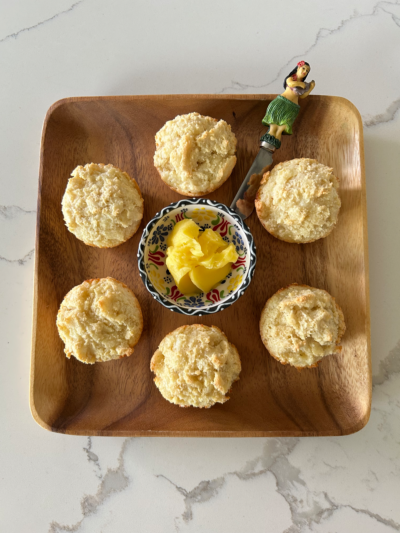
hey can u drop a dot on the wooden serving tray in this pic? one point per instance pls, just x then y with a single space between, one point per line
119 397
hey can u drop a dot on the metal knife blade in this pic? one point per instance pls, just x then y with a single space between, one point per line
243 203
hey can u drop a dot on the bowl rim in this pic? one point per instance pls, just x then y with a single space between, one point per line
219 306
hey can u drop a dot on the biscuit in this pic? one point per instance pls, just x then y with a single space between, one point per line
195 366
300 325
102 206
100 320
298 201
195 154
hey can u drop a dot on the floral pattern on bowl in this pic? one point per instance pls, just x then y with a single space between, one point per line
152 256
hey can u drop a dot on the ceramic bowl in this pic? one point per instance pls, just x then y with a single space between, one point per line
152 256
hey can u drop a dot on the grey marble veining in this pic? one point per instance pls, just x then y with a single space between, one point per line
308 507
35 26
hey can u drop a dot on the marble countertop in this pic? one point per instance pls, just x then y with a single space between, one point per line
57 48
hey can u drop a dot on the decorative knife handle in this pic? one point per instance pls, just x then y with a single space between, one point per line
269 142
279 117
283 110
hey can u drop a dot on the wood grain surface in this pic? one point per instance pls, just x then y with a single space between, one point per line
119 397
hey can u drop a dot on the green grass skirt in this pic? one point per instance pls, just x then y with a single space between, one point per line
281 111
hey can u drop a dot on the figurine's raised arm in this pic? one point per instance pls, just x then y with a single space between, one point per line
282 112
312 85
292 83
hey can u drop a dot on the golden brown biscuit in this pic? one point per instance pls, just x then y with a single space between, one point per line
300 325
195 154
298 201
195 366
102 206
100 320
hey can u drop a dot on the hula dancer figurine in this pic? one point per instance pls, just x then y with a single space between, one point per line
282 112
280 115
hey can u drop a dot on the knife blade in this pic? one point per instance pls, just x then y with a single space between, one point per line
243 203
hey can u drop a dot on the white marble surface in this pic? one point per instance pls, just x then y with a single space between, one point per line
50 49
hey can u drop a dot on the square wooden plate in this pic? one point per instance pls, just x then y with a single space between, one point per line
119 397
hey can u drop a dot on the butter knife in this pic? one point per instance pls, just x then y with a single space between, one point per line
243 203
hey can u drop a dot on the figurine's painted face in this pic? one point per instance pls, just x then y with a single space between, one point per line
303 71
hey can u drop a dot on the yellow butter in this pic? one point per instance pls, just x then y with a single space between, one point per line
210 241
220 259
177 269
182 232
206 278
198 262
186 285
186 254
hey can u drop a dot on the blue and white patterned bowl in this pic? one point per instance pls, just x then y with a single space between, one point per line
152 256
